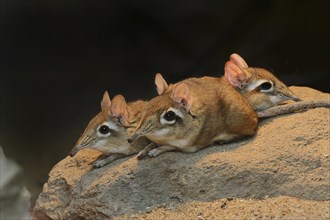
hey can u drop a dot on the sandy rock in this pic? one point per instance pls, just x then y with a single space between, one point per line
282 172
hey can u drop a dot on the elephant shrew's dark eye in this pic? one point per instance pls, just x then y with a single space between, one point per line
104 129
169 116
265 86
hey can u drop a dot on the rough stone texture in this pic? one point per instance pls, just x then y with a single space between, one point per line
282 172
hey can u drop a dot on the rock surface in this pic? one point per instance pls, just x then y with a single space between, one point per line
282 172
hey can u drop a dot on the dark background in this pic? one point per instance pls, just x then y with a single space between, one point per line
58 57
